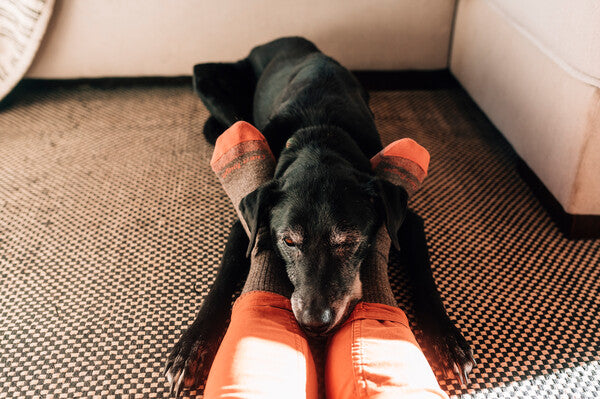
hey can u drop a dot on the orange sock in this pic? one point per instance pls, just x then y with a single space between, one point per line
403 163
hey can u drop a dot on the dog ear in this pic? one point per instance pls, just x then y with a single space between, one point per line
255 208
394 201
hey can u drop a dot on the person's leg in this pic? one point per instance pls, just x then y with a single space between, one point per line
264 354
375 355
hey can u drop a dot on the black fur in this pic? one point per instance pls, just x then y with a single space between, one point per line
316 118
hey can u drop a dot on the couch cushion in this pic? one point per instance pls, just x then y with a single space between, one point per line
159 38
568 32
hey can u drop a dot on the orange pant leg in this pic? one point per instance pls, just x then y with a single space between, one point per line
264 354
375 355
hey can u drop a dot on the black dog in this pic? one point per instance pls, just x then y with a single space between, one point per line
323 187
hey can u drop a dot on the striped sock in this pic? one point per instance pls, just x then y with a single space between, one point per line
243 161
404 163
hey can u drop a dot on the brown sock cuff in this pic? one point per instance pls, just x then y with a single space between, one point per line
267 273
403 163
374 272
242 160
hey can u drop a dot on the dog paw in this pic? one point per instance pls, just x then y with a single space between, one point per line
453 353
189 362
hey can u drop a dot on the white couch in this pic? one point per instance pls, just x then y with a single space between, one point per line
532 66
96 38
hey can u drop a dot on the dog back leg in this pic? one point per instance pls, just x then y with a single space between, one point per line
288 47
213 129
227 90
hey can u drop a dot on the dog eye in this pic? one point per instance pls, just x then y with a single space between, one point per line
288 241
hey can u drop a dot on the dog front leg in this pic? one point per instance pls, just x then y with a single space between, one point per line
446 340
190 359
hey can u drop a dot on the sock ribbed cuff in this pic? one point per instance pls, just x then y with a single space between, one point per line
403 163
267 273
242 160
376 286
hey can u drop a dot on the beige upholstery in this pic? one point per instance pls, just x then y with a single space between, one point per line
568 32
546 111
95 38
532 66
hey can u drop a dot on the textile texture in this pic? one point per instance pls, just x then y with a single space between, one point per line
22 26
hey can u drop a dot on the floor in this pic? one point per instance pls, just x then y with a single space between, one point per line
112 225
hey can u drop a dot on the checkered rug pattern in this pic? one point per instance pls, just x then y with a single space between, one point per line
112 226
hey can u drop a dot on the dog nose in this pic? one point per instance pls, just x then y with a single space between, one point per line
319 323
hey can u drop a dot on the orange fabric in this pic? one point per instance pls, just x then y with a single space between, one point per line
375 355
237 133
264 354
404 148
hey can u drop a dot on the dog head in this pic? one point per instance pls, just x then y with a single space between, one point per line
322 215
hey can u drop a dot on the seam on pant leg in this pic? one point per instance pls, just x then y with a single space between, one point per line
303 354
357 355
298 347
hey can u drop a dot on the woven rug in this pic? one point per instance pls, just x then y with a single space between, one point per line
112 225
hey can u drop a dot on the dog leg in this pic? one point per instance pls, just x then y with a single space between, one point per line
212 129
450 347
227 90
190 359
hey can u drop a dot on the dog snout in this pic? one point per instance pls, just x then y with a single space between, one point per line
317 322
314 317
